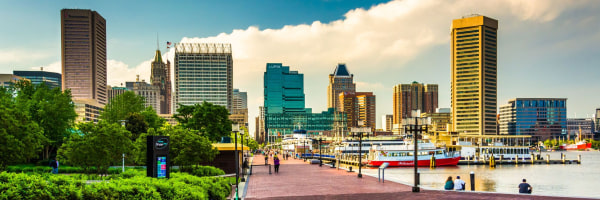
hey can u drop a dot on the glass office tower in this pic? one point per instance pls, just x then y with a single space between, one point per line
542 118
52 79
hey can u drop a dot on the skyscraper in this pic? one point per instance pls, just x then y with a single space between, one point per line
542 118
52 79
239 108
386 122
340 81
160 78
203 72
358 106
283 90
83 44
414 96
151 93
474 71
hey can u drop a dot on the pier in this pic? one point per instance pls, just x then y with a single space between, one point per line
300 180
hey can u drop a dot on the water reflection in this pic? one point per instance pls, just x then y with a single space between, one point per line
554 180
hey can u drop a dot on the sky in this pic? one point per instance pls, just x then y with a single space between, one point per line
545 48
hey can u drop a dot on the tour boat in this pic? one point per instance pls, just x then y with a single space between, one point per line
581 145
403 155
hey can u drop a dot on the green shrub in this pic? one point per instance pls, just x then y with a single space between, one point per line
202 171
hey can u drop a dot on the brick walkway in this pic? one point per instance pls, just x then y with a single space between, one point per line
299 180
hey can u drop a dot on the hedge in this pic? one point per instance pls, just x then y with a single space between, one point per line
137 186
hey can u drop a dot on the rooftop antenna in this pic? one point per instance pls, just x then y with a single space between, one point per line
157 48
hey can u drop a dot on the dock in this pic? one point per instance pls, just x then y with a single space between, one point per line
300 180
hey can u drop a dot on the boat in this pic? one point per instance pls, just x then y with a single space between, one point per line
498 150
352 147
403 155
581 145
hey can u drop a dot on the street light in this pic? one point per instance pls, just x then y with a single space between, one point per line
320 153
236 128
412 125
304 147
242 137
359 131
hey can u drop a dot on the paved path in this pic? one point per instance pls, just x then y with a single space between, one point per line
299 180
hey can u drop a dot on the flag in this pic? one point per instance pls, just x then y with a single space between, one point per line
168 44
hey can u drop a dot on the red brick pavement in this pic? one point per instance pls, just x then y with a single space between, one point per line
299 180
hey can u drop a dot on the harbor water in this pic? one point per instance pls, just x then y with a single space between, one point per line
569 180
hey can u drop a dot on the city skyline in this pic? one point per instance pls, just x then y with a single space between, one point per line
539 43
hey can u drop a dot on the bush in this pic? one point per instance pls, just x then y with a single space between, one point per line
201 171
132 184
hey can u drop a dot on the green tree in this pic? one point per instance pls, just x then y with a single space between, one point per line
249 142
211 120
136 125
189 148
140 146
153 120
51 109
97 145
121 106
20 138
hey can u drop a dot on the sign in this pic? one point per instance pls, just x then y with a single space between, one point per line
157 156
161 143
161 168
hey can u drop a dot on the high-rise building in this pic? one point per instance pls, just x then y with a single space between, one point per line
283 90
339 82
414 96
203 72
386 122
542 118
358 106
52 79
580 128
239 108
83 42
284 108
115 91
474 71
151 93
160 77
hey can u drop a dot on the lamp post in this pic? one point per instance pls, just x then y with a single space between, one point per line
320 153
304 154
123 123
359 131
412 125
236 128
242 137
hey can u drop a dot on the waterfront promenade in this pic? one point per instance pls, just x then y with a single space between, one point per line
299 180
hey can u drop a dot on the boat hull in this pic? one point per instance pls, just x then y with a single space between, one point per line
579 146
421 163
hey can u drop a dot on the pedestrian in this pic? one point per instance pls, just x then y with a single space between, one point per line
459 184
449 184
54 165
525 188
276 162
266 160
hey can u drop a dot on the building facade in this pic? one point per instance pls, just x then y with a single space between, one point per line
203 72
83 45
414 96
52 79
580 128
239 108
160 77
542 118
474 73
6 80
340 81
151 93
88 110
115 91
358 106
386 122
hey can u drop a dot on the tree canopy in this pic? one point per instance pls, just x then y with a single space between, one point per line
121 106
211 120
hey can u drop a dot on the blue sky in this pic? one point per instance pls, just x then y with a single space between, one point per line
546 48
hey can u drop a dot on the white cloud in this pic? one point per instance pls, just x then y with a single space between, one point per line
18 55
119 72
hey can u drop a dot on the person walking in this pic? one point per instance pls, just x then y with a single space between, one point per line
449 184
525 188
459 184
276 162
266 159
54 165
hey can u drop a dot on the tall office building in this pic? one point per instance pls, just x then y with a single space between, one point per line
358 106
203 72
542 118
414 96
386 122
474 71
239 108
83 42
52 79
283 90
160 78
284 104
339 82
